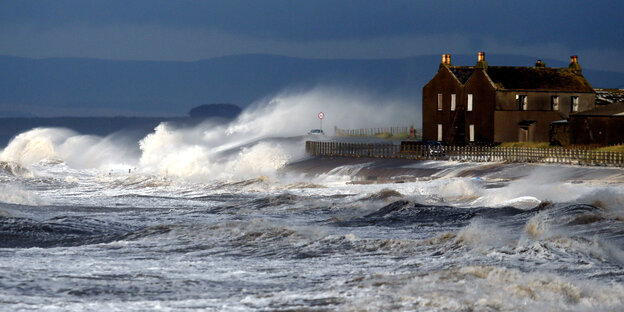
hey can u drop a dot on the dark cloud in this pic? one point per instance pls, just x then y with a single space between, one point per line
572 22
570 25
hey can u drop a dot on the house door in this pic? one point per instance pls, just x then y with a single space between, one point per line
523 134
439 132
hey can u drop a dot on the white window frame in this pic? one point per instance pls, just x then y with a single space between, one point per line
439 132
575 103
554 102
440 102
453 101
469 108
525 102
471 131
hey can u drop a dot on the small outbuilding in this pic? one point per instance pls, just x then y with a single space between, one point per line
603 125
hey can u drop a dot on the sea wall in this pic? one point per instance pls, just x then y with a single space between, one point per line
467 153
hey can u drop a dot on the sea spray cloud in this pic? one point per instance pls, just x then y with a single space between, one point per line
178 152
250 145
78 151
253 144
34 145
295 112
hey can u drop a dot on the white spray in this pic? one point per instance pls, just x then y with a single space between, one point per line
252 145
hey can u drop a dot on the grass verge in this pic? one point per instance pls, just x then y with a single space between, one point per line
526 144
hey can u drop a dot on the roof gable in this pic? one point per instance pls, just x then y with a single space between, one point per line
443 71
537 78
462 73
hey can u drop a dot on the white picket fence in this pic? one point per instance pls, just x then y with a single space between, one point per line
371 131
467 153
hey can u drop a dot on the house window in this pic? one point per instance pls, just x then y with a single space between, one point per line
439 101
469 103
471 130
453 101
439 132
523 104
554 103
575 104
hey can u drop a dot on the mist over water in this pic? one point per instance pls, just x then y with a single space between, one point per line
246 147
231 217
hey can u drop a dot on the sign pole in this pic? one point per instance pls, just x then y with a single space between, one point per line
321 115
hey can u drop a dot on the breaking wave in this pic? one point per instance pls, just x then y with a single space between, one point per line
507 289
14 169
224 215
264 138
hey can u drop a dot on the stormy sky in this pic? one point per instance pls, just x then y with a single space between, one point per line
192 30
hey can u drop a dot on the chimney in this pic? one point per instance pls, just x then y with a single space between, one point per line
574 65
446 59
481 63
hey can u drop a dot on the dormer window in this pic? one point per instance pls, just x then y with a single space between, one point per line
574 104
523 104
439 101
554 103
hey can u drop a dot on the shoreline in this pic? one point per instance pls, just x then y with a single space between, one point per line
375 170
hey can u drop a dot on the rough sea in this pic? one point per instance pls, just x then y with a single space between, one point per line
184 221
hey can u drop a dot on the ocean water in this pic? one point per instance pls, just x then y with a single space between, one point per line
187 219
89 239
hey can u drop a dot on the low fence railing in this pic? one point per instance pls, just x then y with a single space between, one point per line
371 131
467 153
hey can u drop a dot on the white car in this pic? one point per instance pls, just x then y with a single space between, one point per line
316 132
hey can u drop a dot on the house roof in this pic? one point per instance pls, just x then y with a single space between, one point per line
528 78
613 109
537 78
462 73
607 96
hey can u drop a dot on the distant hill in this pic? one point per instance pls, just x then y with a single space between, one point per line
228 111
91 87
11 113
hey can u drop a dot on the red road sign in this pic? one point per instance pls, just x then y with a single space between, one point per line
321 115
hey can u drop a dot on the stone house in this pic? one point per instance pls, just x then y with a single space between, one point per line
491 104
